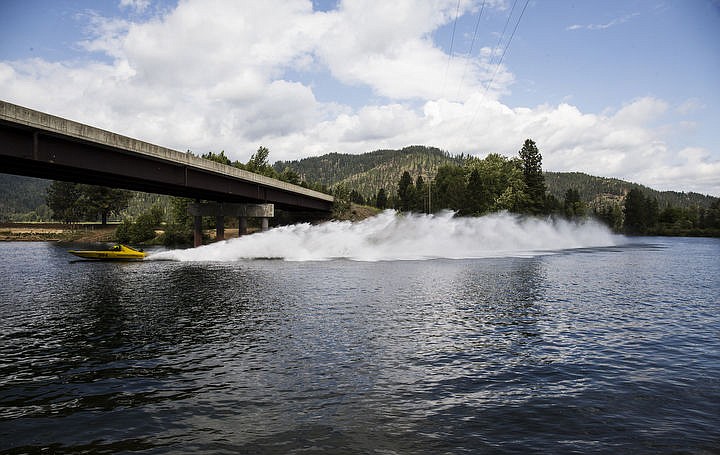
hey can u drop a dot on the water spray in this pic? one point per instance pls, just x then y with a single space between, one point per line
391 236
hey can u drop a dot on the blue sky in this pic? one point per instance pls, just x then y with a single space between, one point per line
626 89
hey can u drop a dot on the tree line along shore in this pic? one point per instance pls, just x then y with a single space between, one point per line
426 180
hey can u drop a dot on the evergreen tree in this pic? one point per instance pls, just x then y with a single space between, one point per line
179 229
217 157
533 177
100 200
290 176
381 200
421 196
74 201
259 163
449 188
640 212
652 212
405 192
710 217
258 160
609 212
573 207
356 197
62 199
475 201
341 205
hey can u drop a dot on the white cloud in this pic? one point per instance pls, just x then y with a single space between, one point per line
389 48
216 75
136 5
640 111
696 169
603 26
690 106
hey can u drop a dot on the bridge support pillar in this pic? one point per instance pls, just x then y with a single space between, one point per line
197 230
221 210
220 227
242 226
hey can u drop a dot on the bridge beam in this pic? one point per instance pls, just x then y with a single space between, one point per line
37 144
221 209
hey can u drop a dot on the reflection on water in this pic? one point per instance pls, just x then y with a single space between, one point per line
586 351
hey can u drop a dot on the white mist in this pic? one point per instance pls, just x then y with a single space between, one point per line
391 236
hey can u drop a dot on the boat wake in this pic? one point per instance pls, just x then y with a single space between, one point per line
391 236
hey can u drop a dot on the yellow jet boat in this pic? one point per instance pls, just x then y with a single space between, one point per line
116 253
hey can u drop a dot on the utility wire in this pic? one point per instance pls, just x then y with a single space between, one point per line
502 35
497 68
472 44
452 42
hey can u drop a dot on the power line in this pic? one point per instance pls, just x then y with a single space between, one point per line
502 35
452 42
477 27
517 24
497 68
472 44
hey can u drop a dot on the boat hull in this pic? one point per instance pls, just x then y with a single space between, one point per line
117 253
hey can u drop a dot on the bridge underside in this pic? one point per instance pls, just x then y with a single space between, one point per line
37 153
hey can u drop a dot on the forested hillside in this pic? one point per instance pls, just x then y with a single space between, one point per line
368 172
590 187
22 198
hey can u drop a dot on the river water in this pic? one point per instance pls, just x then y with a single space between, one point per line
608 347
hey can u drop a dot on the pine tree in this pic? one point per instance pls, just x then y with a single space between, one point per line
475 200
101 200
636 212
75 201
217 157
533 177
405 192
259 164
421 196
62 199
381 200
573 206
449 188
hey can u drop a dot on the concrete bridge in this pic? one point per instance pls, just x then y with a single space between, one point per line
36 144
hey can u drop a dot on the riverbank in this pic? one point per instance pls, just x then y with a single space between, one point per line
57 232
85 233
96 232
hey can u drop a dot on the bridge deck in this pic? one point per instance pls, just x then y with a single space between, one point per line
37 144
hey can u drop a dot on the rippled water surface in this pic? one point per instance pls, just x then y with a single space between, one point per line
613 349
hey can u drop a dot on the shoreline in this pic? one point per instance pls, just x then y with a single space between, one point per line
56 232
81 232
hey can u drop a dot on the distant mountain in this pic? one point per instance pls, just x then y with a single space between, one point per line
20 195
368 172
23 199
590 187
